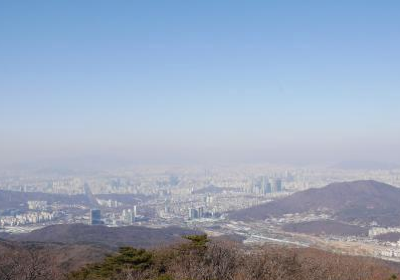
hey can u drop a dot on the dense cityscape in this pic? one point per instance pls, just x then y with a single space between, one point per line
199 140
196 197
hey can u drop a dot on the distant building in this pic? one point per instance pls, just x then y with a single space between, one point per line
208 200
37 205
95 217
129 216
134 211
265 185
196 213
193 214
167 208
276 185
200 212
262 186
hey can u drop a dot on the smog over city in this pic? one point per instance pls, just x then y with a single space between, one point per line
176 140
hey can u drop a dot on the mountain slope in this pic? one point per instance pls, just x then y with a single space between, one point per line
363 201
141 237
326 228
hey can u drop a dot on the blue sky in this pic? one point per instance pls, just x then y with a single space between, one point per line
295 81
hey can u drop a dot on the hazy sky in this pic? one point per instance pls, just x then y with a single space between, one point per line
309 81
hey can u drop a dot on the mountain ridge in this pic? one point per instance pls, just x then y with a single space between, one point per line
111 237
364 201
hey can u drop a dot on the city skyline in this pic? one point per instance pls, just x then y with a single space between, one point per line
170 140
181 82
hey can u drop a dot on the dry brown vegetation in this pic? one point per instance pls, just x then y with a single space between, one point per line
27 263
198 259
202 259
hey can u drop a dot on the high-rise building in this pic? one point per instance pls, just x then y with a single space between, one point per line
208 199
276 185
127 216
262 185
167 207
134 211
200 212
193 214
265 185
95 217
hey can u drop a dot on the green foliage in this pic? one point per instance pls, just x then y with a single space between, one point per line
127 259
196 248
198 240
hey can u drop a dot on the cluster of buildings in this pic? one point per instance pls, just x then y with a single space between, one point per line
167 180
66 186
392 251
127 217
196 213
199 212
28 218
382 230
37 205
109 203
264 185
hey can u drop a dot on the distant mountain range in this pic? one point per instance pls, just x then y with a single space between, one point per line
359 201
